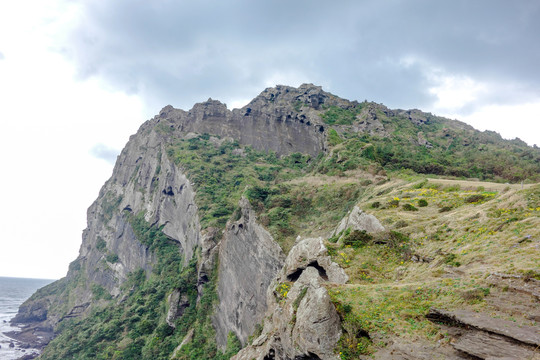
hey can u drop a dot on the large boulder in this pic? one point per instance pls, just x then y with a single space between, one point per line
359 220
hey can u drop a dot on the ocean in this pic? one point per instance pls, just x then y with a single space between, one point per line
13 292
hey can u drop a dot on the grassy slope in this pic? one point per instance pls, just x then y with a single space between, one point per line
391 291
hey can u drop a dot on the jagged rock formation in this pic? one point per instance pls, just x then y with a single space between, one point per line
312 253
301 322
249 259
270 122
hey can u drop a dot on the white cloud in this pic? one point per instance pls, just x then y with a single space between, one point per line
511 121
49 122
454 93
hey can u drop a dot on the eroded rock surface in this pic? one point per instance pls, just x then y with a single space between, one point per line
484 337
312 252
301 321
249 259
144 181
282 119
359 220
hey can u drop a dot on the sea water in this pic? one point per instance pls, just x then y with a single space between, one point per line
13 292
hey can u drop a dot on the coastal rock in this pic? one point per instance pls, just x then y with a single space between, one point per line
32 312
145 182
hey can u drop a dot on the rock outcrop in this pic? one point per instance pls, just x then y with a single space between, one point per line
249 259
359 220
312 253
485 337
281 119
301 321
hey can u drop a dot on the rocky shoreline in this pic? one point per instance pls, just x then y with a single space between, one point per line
29 338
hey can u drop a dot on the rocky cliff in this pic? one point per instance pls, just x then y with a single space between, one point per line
255 228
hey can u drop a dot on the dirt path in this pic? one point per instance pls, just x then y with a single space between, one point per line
465 184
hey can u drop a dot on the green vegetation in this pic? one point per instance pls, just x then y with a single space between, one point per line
339 116
333 137
134 327
454 148
286 208
396 277
221 172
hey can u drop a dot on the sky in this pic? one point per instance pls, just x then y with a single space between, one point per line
78 77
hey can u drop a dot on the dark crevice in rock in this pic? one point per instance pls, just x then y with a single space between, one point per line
271 355
168 191
309 356
296 274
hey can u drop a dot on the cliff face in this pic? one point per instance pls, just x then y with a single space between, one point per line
190 245
270 122
249 259
146 182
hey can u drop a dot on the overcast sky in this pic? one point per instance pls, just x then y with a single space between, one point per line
77 77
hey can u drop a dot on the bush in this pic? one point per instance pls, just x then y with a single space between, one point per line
410 207
422 203
101 244
476 198
450 259
112 258
445 209
400 224
393 203
376 205
357 238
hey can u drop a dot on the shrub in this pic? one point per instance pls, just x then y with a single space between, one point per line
409 207
101 244
400 224
393 203
445 209
334 138
450 259
366 182
422 203
376 205
112 258
474 198
357 238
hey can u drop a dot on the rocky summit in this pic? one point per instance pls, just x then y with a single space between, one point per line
303 226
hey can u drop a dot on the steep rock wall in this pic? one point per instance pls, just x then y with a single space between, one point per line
249 259
281 119
144 181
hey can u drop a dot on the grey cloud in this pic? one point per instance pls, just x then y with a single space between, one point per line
183 52
102 151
